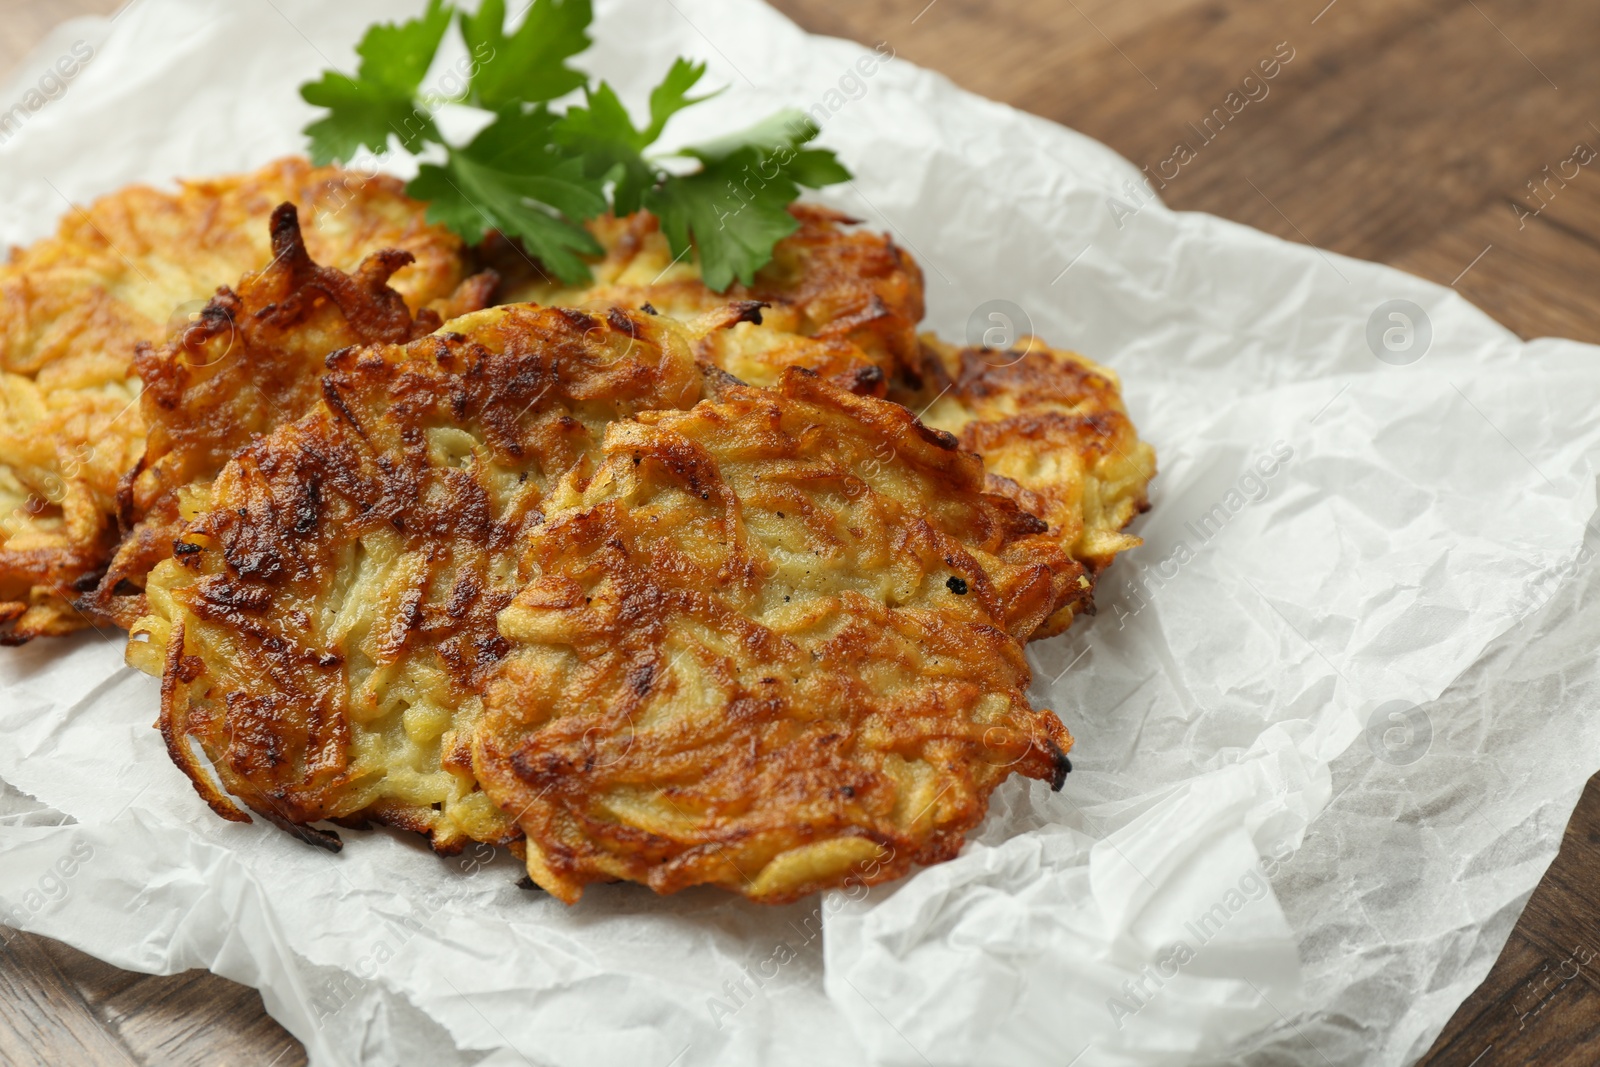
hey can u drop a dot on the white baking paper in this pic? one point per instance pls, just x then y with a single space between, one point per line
1332 718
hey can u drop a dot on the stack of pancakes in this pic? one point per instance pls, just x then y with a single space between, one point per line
643 581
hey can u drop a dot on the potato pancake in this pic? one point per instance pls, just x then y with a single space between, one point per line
72 308
652 588
327 623
772 646
844 303
252 361
1054 436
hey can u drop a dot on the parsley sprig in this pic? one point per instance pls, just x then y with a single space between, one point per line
538 173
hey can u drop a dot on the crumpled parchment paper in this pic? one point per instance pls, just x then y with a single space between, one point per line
1332 718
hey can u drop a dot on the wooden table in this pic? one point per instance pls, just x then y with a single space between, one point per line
1428 134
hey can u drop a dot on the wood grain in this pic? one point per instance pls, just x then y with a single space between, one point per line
59 1006
43 1019
1403 131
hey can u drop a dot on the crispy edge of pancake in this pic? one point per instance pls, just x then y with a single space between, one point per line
326 625
72 308
253 360
842 302
1054 436
766 649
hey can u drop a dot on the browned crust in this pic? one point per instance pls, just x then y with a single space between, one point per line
851 287
39 585
1054 436
174 727
275 701
254 359
843 302
1039 579
72 309
808 692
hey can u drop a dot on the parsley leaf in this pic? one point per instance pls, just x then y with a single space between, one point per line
513 178
788 128
672 96
736 208
604 134
381 98
539 176
528 66
397 57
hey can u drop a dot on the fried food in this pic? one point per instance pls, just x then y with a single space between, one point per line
658 591
772 646
843 303
1054 436
73 307
253 360
328 621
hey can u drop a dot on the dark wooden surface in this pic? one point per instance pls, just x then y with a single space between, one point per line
1402 131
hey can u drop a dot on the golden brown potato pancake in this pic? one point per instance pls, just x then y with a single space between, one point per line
327 623
766 648
253 360
844 303
1054 436
72 308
